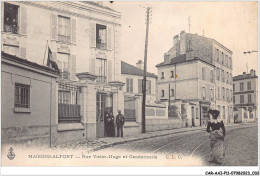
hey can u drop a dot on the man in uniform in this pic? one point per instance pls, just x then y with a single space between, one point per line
120 122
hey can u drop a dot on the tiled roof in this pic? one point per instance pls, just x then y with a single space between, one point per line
175 60
132 70
29 63
244 76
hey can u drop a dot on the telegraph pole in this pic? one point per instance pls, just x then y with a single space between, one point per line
145 66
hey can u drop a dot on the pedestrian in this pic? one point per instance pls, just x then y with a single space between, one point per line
106 124
217 131
112 125
120 122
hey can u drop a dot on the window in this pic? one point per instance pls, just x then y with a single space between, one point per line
241 86
234 87
218 74
249 85
129 85
101 36
222 76
224 112
231 94
11 18
203 93
101 66
218 92
241 99
67 97
217 54
172 74
231 79
64 29
249 98
234 99
211 76
227 92
162 95
227 77
162 75
211 94
140 85
223 93
226 60
230 62
172 92
222 58
203 73
22 96
12 50
63 64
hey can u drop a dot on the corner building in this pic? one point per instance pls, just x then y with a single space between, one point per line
196 75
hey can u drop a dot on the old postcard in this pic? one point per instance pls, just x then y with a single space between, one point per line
92 83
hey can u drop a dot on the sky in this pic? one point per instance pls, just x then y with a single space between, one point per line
233 24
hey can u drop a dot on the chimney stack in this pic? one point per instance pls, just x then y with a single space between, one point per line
252 73
175 39
140 64
244 73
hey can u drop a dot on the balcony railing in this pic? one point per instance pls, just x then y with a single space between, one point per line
101 79
101 45
12 29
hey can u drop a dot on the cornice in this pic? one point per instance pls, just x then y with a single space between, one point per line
57 8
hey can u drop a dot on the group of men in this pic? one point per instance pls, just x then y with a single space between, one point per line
110 127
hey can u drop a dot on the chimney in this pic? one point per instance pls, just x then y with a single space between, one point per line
244 73
252 73
166 58
175 39
182 42
140 64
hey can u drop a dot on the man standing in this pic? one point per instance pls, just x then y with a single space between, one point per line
120 122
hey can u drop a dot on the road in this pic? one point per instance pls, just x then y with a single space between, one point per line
241 146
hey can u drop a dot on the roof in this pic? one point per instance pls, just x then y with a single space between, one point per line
244 76
175 60
98 5
132 70
29 63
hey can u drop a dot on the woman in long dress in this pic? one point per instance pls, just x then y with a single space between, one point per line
217 131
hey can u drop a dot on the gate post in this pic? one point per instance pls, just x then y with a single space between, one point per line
88 103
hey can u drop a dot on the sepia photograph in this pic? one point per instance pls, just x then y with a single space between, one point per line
129 83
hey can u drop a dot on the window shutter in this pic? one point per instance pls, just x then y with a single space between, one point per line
73 67
23 53
131 85
109 39
139 85
127 85
54 19
92 34
109 71
73 30
23 20
92 65
70 66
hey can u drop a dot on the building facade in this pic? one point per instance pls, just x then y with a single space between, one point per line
132 76
245 93
197 71
83 38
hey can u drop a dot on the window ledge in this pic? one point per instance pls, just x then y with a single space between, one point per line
22 110
9 33
70 127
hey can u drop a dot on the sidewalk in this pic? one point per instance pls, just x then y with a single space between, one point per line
101 143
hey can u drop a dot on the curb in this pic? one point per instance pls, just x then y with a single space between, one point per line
148 137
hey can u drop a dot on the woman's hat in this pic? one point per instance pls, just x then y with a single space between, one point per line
214 113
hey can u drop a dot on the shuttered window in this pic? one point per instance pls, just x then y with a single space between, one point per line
63 64
129 85
11 18
64 29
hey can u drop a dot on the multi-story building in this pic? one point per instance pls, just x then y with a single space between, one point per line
132 76
84 39
245 92
197 70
